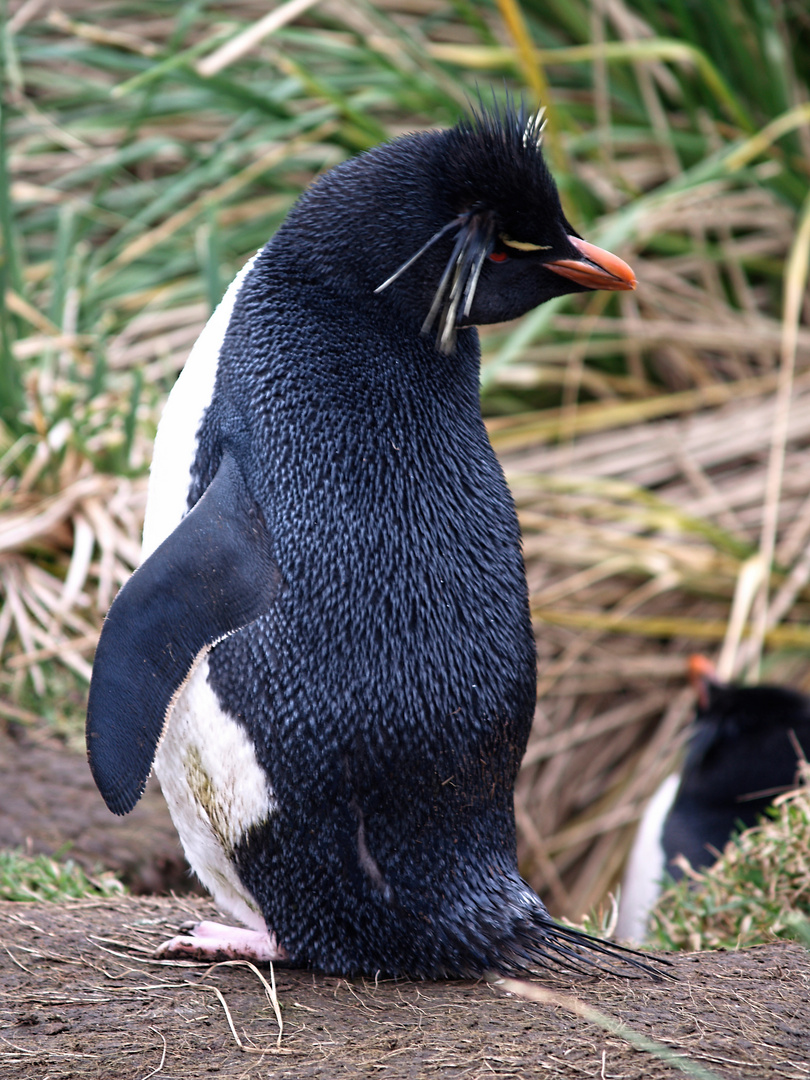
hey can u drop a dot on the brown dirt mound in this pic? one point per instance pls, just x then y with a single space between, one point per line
50 804
80 997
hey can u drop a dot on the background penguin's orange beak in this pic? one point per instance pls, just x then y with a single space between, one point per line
597 269
701 673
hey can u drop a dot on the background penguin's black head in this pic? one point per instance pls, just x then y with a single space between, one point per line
741 738
453 228
736 710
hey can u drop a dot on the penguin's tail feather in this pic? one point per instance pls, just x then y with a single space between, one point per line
538 942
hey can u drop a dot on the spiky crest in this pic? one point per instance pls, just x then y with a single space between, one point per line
505 131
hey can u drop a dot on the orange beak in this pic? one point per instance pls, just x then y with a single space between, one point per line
597 269
701 671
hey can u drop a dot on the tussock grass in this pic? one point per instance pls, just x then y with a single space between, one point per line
656 441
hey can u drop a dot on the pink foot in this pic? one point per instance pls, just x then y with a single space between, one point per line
214 941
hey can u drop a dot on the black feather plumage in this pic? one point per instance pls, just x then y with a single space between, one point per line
388 686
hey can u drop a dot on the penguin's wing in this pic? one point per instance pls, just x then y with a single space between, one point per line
210 577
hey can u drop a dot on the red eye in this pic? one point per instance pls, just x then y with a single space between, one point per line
498 256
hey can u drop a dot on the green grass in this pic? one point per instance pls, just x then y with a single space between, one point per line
61 708
757 892
42 877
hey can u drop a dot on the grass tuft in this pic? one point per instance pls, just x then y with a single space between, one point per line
43 877
758 891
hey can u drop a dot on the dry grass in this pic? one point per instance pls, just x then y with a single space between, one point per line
625 585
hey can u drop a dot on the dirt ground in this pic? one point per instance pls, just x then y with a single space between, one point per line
81 997
50 804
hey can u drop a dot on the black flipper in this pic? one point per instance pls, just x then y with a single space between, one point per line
212 576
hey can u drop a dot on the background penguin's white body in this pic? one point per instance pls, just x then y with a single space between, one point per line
641 884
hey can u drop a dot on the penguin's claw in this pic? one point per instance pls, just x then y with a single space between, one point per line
214 941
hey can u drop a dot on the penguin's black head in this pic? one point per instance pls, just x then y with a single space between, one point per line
513 247
454 228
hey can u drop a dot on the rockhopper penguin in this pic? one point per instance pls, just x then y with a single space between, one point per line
327 653
742 752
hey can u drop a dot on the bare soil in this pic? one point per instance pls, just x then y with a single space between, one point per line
49 804
80 996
